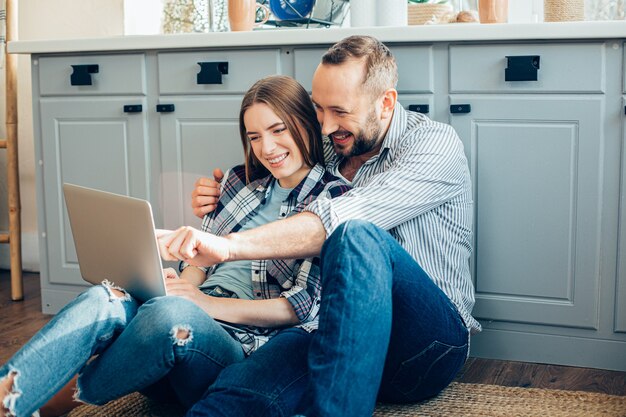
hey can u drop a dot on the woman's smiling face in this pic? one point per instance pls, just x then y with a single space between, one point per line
274 146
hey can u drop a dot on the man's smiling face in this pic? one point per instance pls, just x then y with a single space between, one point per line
349 115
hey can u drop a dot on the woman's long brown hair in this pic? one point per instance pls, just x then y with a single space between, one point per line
292 104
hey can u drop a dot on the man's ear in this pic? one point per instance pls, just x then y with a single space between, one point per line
389 99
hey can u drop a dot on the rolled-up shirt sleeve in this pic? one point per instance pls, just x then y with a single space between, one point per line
306 293
419 178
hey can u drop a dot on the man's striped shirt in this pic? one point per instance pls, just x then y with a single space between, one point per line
418 188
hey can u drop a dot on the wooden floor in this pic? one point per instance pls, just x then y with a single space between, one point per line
20 320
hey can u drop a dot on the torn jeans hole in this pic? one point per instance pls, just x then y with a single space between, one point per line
184 329
110 286
12 394
77 390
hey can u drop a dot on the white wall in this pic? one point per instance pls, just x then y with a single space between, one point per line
142 17
45 19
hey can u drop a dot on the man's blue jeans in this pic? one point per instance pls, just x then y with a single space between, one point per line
167 341
387 332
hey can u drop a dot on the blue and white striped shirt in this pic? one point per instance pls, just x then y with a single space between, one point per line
418 188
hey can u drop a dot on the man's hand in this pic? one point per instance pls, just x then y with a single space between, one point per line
192 246
206 193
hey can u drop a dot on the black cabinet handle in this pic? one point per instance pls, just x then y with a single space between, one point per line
211 72
81 74
165 108
133 108
460 108
420 108
521 68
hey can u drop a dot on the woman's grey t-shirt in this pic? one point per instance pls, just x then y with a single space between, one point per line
236 276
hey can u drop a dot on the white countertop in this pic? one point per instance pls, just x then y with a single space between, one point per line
280 37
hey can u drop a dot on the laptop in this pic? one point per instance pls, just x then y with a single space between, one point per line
115 240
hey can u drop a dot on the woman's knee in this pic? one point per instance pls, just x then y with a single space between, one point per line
172 316
99 299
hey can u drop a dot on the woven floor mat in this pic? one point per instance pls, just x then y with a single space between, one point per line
459 399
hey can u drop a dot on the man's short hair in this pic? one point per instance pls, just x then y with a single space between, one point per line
381 71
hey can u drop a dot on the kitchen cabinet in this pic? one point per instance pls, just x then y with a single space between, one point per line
202 133
94 139
620 289
537 170
543 164
199 119
115 123
542 123
537 180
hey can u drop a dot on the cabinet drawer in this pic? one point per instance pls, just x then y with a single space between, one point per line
572 68
226 71
415 67
108 75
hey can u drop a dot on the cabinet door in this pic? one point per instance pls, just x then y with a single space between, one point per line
536 167
93 143
620 297
201 134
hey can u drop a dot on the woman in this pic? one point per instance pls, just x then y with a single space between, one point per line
175 346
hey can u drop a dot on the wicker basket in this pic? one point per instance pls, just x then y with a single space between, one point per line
563 10
422 13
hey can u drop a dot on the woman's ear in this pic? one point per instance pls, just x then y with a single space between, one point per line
389 99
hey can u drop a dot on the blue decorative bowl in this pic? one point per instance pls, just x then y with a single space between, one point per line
291 9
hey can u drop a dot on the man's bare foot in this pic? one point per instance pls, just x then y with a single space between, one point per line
62 402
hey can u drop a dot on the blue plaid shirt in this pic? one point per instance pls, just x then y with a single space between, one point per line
297 280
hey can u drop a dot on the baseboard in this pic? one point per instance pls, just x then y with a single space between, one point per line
550 349
30 253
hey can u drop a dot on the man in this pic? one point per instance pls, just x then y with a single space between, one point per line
395 313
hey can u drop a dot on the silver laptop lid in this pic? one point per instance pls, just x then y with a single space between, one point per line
115 240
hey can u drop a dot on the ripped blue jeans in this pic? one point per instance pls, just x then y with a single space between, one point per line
118 346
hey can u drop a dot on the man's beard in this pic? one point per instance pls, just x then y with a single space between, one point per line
364 140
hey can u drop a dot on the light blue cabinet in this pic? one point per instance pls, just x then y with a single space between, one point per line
93 135
200 135
620 288
547 159
200 131
544 161
536 166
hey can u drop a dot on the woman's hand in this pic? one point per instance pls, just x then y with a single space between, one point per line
170 273
185 289
192 246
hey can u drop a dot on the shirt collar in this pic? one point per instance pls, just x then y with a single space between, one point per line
396 128
300 191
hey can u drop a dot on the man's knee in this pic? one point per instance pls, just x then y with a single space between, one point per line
357 232
357 238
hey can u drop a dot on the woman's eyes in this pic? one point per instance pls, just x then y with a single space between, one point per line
276 131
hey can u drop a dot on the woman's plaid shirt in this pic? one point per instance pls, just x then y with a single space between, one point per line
297 280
